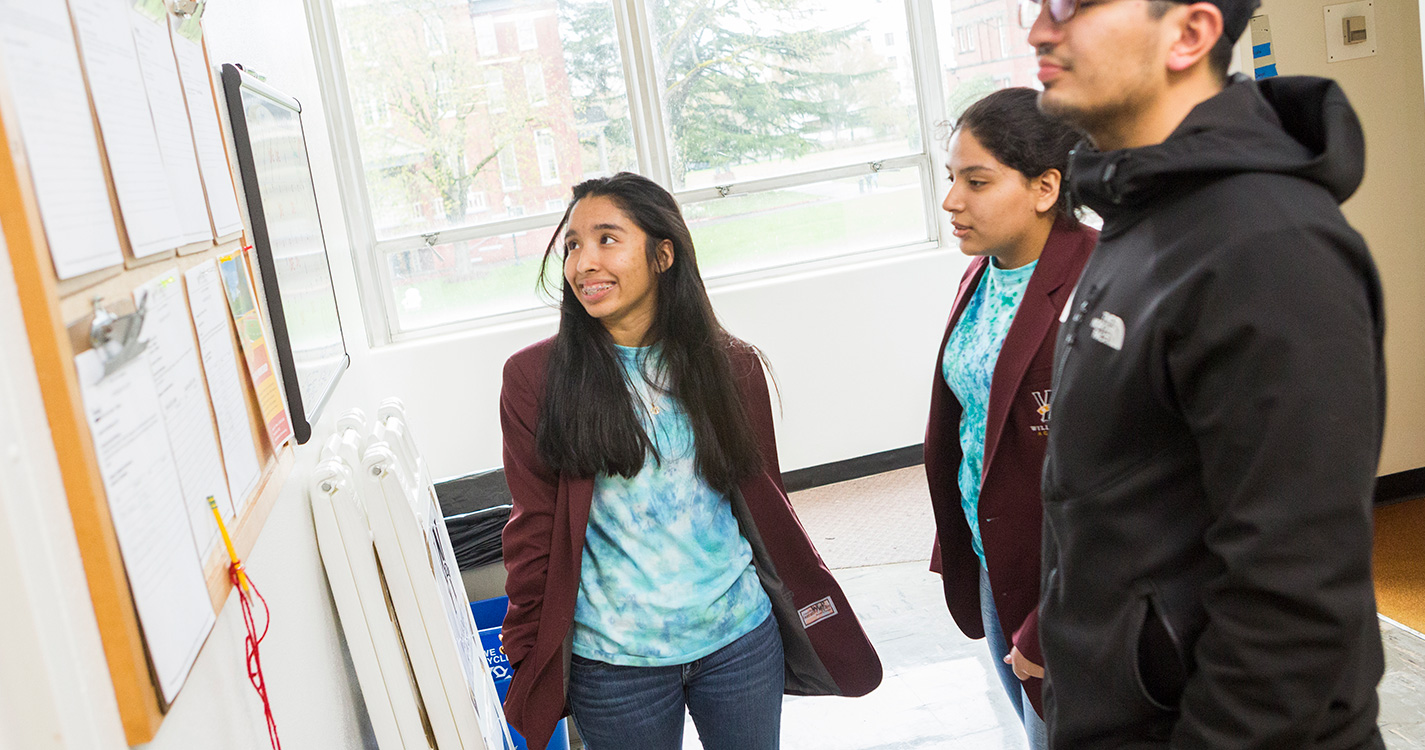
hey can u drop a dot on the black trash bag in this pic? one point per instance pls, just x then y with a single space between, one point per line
476 535
476 507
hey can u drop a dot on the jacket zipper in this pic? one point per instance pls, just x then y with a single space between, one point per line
1081 307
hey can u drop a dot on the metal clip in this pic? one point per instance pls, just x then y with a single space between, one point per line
431 238
724 190
116 337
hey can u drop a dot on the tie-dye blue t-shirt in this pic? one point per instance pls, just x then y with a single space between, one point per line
969 368
667 576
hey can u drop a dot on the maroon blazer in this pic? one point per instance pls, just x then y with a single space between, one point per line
827 652
1015 437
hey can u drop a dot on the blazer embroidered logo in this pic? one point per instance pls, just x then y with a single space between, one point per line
817 611
1108 329
1042 398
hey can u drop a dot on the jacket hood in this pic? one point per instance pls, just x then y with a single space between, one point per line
1297 125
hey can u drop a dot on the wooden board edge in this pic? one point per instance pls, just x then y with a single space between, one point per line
74 285
247 529
196 247
130 262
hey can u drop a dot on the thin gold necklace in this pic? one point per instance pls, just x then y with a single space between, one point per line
650 398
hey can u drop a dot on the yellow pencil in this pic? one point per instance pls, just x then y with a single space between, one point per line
232 553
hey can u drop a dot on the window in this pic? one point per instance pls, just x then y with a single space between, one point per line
485 41
524 33
509 170
534 84
376 110
967 79
965 37
445 93
495 89
435 36
548 159
476 201
812 136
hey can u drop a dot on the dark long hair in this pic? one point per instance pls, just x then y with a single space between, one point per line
1010 125
587 423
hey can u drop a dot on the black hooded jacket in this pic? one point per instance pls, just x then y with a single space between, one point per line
1217 416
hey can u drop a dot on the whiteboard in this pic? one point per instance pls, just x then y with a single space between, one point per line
291 250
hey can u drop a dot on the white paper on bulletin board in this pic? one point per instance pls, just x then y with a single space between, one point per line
146 504
121 103
178 377
225 387
170 121
207 133
41 63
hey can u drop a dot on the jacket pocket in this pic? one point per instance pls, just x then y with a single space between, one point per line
1160 666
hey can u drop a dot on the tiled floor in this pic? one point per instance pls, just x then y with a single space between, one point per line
939 690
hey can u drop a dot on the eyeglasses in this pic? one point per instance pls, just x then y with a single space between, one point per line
1059 10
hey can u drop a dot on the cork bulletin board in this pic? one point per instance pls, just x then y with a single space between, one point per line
59 306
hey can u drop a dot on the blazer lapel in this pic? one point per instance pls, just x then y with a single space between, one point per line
1037 313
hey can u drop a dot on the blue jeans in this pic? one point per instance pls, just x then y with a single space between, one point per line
734 695
1034 728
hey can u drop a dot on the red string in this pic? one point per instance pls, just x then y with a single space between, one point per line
252 641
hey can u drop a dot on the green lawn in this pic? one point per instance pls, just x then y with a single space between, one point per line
737 234
821 229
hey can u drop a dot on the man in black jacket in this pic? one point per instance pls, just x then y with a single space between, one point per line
1218 398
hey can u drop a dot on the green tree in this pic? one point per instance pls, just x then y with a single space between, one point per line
736 84
591 57
421 104
967 93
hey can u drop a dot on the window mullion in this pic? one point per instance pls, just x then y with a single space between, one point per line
374 288
801 178
641 79
925 53
515 225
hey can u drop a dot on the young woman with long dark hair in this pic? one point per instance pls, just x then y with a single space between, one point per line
990 404
655 564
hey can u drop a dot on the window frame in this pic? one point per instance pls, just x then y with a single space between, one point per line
371 256
542 153
526 36
536 86
436 41
507 164
494 75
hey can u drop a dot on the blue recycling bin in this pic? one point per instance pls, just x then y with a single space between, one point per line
489 616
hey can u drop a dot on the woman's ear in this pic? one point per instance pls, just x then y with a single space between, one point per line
665 255
1046 190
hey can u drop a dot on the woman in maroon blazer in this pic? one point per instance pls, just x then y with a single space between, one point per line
990 405
655 564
